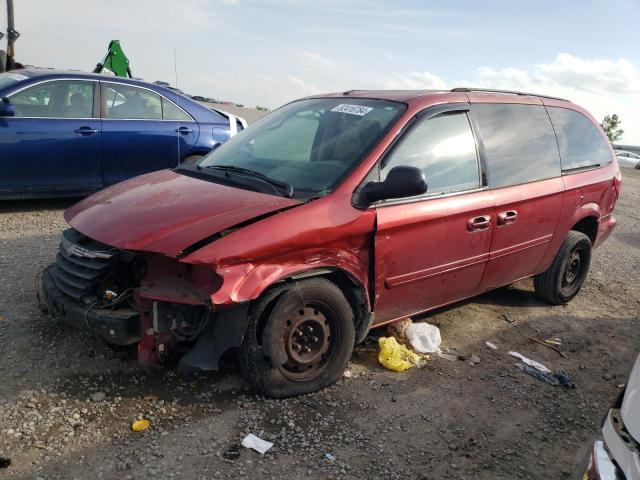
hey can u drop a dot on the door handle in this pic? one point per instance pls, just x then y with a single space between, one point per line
86 130
479 223
184 130
505 218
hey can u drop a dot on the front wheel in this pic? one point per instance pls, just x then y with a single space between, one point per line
564 278
299 340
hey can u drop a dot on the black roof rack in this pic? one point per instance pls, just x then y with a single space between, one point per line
510 92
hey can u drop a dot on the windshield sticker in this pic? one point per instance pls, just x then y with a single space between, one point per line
17 76
352 109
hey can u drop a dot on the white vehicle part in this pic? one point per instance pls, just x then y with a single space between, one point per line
233 121
622 451
630 410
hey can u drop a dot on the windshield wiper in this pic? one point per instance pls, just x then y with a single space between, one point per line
288 189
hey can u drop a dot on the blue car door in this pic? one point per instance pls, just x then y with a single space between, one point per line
136 137
52 144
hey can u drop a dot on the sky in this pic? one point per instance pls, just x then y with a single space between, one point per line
269 52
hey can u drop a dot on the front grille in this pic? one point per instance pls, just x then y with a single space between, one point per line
83 265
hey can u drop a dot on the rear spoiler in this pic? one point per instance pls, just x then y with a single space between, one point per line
233 121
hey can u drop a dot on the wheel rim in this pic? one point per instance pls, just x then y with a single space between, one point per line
309 339
575 270
572 270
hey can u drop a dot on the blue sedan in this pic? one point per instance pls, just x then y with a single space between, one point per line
70 134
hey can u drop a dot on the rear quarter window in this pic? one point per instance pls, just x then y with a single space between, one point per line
581 144
519 143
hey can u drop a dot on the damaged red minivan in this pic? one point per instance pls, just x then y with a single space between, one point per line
333 215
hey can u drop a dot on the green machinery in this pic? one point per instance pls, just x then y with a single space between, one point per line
115 61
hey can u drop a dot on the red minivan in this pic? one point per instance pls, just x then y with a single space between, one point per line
333 215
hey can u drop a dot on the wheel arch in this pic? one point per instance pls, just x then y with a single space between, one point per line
259 281
587 225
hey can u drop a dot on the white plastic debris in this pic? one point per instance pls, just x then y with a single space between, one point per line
532 363
424 337
492 346
329 457
256 443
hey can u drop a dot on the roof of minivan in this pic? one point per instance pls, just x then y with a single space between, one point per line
407 96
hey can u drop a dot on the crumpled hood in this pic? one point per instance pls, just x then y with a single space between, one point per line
630 410
165 212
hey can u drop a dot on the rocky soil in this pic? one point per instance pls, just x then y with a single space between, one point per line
67 400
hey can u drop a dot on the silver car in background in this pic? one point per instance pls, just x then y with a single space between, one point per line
628 159
617 455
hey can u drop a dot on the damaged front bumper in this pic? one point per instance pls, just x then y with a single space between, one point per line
152 324
117 327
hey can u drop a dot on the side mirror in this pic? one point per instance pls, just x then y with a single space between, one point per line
401 181
7 109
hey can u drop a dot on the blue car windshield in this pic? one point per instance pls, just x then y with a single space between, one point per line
309 145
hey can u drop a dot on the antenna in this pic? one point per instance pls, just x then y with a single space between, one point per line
175 71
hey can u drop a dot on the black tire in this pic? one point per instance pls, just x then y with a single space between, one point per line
564 278
192 159
268 356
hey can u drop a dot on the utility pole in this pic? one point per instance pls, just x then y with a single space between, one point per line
7 60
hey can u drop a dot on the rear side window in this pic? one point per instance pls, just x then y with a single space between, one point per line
131 103
171 112
444 148
519 143
581 144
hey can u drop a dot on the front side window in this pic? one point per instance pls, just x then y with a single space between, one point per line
444 148
57 99
126 102
581 144
519 143
309 144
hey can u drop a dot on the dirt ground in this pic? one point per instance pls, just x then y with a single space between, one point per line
448 420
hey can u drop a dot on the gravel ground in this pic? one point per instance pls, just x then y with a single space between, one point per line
67 401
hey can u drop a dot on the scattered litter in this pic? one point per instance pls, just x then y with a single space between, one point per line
448 356
98 396
5 462
545 377
256 443
140 425
424 337
398 330
506 318
492 346
559 377
397 357
347 374
553 341
564 378
329 457
231 453
474 359
530 362
541 342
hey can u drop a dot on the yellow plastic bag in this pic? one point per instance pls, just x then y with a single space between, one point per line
395 356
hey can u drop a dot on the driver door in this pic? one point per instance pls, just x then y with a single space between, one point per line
432 250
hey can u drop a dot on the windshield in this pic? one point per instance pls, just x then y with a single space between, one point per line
308 145
10 78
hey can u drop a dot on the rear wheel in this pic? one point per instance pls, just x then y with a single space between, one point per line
564 278
299 339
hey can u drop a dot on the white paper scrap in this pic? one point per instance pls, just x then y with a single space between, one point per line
531 363
256 443
492 346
